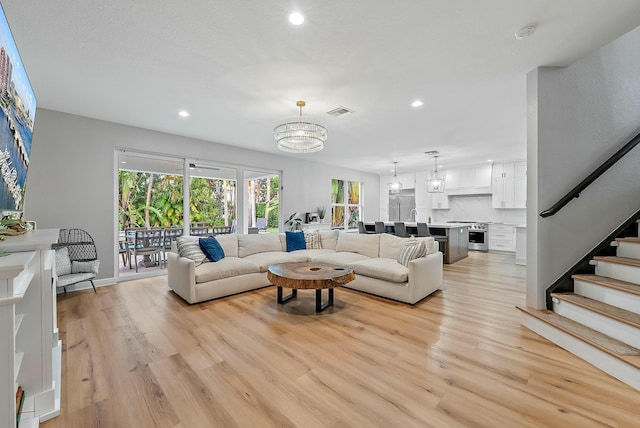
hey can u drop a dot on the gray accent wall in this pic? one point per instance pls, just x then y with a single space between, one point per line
578 116
71 181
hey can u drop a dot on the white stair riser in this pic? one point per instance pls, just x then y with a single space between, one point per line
628 249
605 362
618 271
612 328
610 296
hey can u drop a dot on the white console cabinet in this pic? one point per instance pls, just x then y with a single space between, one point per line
30 351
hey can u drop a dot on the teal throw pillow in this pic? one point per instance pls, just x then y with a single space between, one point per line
212 248
295 241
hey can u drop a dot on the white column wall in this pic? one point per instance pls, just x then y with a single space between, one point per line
578 117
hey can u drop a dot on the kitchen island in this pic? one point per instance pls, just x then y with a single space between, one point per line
453 238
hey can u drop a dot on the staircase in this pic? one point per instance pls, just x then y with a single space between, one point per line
600 320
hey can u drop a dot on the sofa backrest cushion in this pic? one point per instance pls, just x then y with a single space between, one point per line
258 243
229 244
390 245
431 244
328 239
367 245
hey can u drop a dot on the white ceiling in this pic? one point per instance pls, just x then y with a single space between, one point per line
238 67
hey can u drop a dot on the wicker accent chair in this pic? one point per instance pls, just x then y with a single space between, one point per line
76 258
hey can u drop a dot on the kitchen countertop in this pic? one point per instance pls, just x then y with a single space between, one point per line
439 225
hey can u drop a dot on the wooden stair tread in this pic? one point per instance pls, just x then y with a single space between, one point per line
605 281
629 239
601 308
619 260
609 345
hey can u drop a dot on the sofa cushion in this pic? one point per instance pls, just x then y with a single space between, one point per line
211 247
189 247
258 243
225 268
63 262
339 259
367 245
382 268
390 245
328 239
412 249
295 241
312 239
229 244
311 254
263 260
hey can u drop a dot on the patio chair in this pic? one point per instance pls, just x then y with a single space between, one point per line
261 223
76 258
199 230
169 234
221 230
146 243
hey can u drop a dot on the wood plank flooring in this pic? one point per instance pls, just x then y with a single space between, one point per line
136 355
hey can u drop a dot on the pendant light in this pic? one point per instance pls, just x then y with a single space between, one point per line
300 135
435 184
395 186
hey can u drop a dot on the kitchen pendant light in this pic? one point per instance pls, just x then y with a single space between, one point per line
395 186
435 184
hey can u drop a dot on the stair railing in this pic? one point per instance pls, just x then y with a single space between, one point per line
575 192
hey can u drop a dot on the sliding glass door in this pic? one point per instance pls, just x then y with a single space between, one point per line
262 203
213 195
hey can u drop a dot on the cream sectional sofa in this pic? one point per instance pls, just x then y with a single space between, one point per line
247 257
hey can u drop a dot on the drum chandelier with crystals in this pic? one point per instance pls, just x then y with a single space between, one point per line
300 135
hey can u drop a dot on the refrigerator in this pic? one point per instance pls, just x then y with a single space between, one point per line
401 204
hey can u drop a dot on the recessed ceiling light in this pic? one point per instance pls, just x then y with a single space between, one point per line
183 113
417 103
123 161
296 18
525 32
489 160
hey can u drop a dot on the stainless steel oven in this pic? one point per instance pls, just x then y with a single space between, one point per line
478 235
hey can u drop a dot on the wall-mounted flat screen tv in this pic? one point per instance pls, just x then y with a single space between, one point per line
17 114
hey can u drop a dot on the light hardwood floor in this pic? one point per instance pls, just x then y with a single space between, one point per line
135 355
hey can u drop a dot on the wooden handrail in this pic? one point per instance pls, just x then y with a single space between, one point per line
575 192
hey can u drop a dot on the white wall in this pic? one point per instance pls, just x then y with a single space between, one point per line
71 175
578 117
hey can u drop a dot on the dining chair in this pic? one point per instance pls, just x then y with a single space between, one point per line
147 243
423 229
221 230
169 234
199 231
400 229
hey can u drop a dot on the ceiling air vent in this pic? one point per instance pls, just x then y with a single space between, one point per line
339 111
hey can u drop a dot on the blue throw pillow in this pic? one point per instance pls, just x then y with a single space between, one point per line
295 241
211 247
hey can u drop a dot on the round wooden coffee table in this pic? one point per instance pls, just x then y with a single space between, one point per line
309 275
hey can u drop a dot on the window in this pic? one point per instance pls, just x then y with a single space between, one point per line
346 203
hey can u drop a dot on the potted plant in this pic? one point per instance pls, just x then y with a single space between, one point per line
321 212
294 222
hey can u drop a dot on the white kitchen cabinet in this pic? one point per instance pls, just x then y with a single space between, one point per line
469 180
501 237
509 187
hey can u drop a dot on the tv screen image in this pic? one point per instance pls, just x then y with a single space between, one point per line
17 114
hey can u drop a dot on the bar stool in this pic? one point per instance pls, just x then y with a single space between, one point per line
400 229
423 229
380 227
